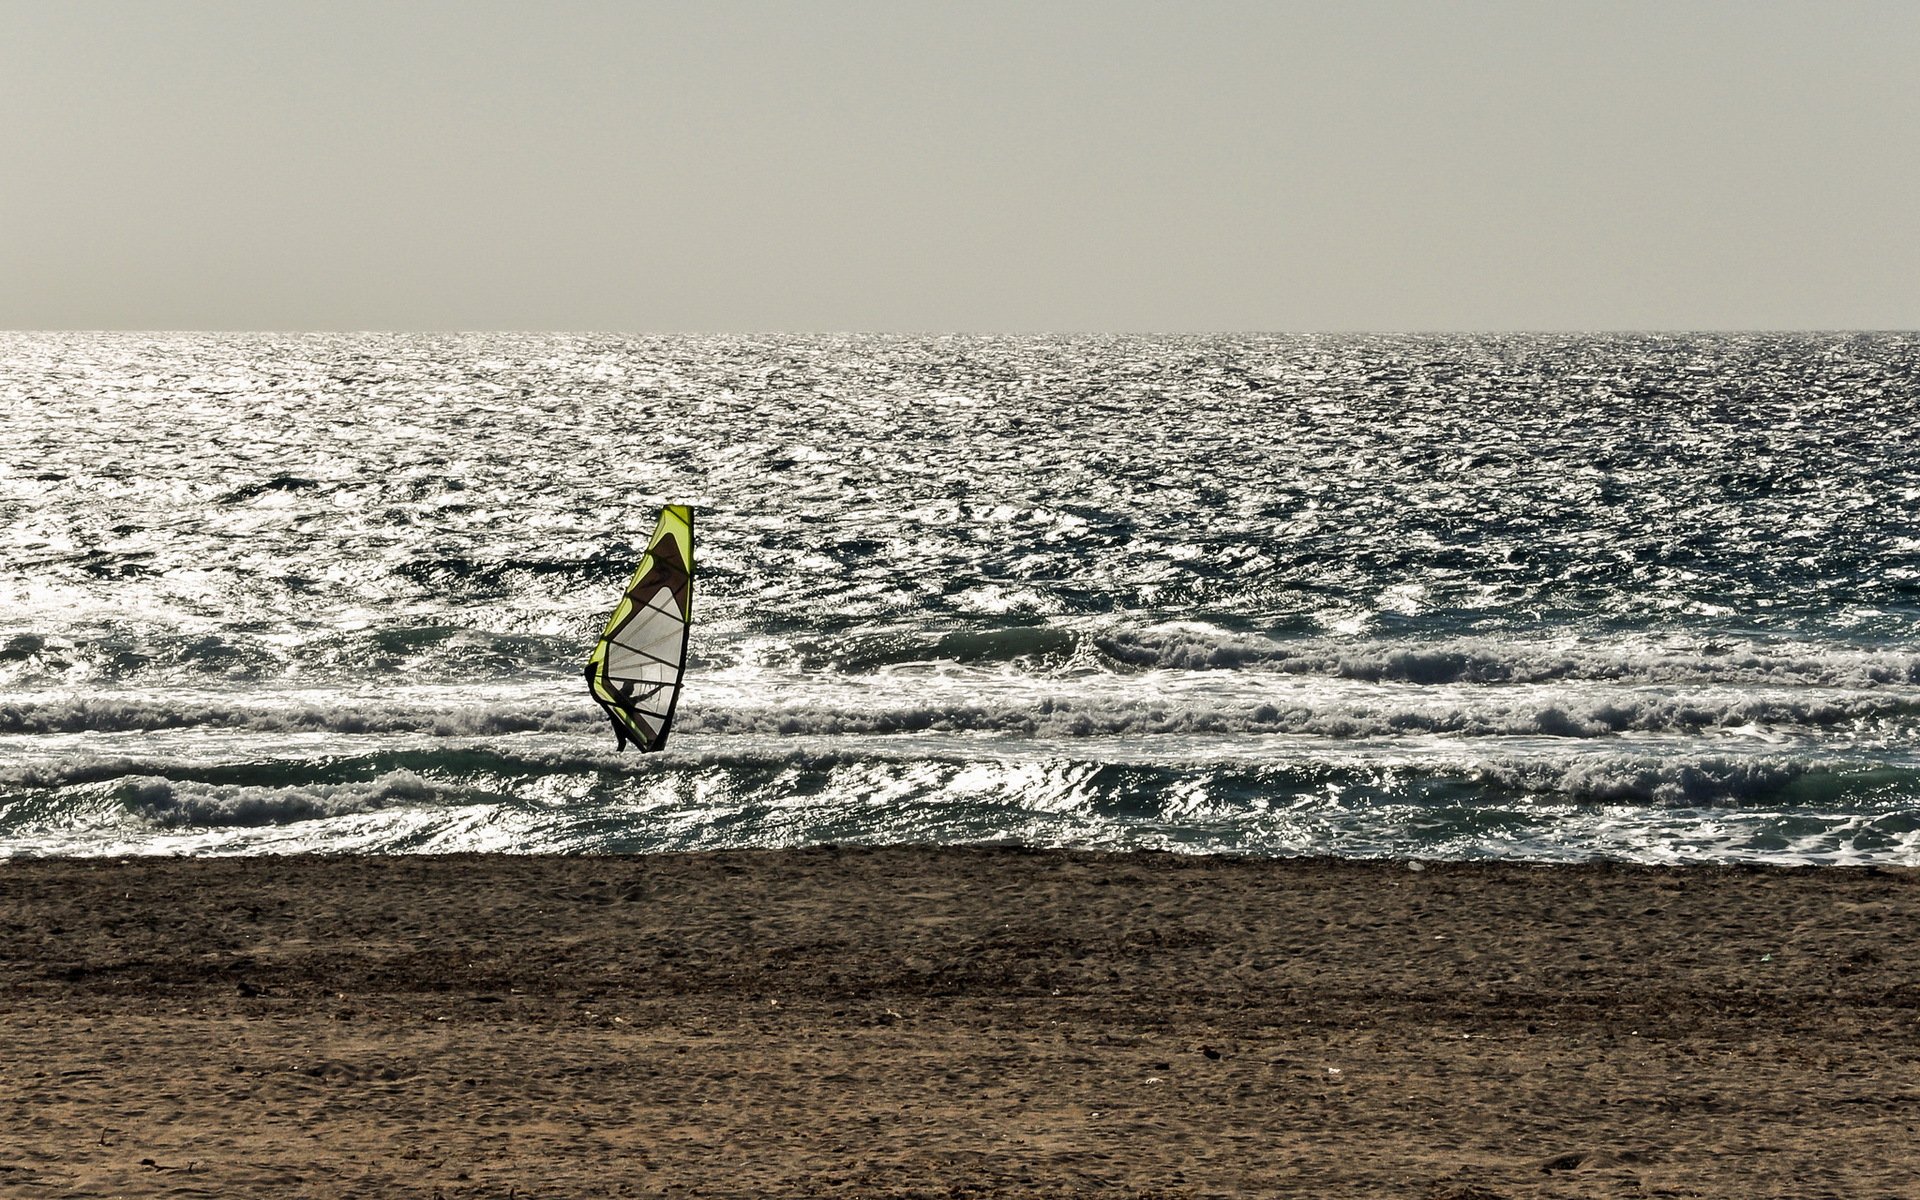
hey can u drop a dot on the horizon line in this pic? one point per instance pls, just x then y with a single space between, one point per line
479 331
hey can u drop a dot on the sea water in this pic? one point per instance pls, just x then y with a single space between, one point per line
1533 597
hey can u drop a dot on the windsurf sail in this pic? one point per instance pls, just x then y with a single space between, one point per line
635 669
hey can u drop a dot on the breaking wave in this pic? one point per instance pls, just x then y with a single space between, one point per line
1633 806
152 785
111 714
448 653
1565 713
169 802
1511 660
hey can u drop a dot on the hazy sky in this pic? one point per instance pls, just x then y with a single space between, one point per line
894 165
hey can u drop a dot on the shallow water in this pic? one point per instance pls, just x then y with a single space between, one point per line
1649 597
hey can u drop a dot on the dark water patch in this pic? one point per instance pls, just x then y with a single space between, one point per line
22 647
436 652
1029 643
278 483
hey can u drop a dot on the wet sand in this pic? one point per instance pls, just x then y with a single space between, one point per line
954 1023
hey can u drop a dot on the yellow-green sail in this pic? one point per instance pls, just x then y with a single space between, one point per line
635 669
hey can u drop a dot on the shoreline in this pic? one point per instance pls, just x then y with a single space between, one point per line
946 1022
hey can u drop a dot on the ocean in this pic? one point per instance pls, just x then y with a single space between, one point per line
1548 598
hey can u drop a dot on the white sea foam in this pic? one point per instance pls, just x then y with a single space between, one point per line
177 802
1096 705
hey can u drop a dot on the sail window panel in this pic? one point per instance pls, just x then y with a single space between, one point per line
623 657
661 641
661 607
639 681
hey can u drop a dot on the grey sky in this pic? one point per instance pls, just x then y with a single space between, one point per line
1038 165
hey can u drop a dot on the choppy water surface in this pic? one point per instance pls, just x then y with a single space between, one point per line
1652 597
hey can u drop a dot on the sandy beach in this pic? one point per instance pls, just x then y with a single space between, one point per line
954 1023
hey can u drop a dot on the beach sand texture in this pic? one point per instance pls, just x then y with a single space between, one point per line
954 1023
